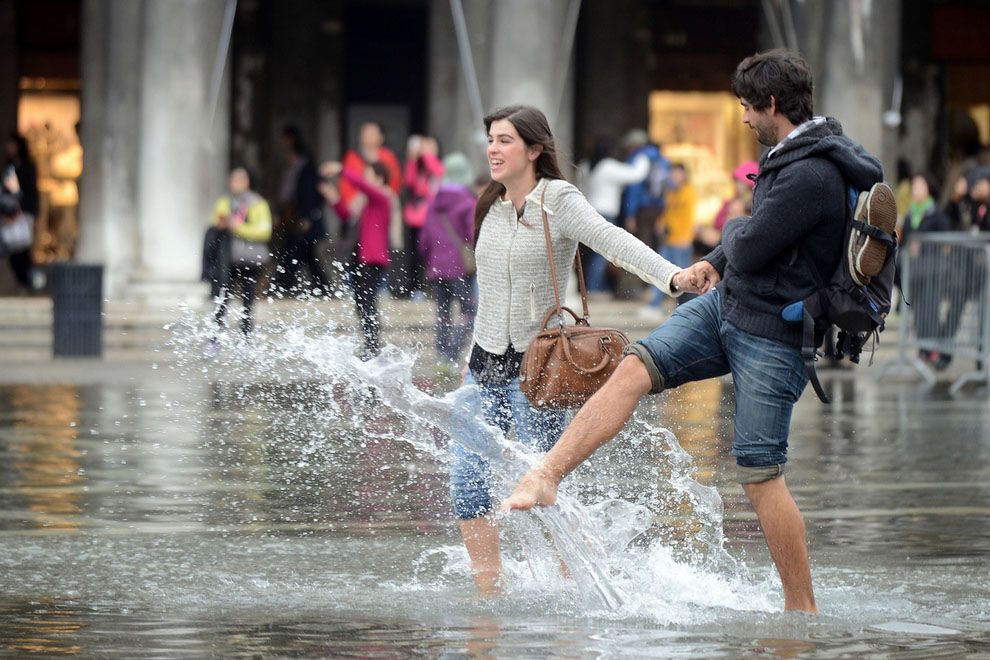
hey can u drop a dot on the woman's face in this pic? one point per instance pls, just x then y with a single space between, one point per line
508 155
238 182
919 189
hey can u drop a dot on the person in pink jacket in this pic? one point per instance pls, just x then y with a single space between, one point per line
371 253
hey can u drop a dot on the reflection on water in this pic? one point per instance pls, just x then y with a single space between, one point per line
202 513
44 460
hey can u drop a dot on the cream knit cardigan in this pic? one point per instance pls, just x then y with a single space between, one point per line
514 272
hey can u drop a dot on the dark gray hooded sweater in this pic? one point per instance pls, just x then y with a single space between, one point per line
800 198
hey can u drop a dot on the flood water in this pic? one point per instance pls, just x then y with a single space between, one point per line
282 501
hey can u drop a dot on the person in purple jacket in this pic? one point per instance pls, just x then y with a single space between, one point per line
447 233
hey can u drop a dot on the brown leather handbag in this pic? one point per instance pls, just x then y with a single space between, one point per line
565 364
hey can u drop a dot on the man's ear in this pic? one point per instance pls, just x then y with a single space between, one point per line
535 151
772 109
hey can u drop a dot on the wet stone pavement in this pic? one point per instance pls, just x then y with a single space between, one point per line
195 509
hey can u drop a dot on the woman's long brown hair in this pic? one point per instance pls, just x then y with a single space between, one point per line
534 129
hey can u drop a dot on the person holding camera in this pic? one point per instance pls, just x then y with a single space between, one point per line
371 255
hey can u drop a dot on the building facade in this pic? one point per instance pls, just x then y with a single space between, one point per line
167 102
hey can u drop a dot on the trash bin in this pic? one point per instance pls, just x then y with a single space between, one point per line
77 309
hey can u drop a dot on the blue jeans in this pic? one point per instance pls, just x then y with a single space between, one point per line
503 406
597 267
768 376
679 256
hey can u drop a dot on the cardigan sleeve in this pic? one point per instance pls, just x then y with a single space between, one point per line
579 221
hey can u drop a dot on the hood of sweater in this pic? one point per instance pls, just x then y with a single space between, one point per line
859 168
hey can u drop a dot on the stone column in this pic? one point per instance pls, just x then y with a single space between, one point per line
183 156
528 63
452 119
857 89
92 243
111 131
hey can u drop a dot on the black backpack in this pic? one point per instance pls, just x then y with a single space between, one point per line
850 301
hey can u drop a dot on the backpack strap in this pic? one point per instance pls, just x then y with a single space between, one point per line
875 232
810 355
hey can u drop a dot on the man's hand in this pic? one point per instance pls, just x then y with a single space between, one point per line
537 488
699 278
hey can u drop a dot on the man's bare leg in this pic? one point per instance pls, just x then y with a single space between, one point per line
482 543
783 528
598 421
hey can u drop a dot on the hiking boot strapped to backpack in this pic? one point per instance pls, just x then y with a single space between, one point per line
857 297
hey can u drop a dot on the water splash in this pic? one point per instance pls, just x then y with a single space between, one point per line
618 549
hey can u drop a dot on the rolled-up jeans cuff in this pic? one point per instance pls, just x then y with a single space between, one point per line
757 475
659 383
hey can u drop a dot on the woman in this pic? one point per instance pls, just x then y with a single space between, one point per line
372 243
740 204
515 293
244 224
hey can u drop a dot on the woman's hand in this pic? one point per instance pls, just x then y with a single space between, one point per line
329 191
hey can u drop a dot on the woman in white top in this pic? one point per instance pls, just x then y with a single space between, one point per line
604 189
515 293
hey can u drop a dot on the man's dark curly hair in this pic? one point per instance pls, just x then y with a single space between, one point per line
780 73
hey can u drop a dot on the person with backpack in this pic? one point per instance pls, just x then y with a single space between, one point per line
798 230
643 202
446 245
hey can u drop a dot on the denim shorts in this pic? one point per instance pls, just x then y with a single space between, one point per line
768 377
504 406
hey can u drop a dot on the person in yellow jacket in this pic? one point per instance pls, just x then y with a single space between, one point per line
676 224
243 222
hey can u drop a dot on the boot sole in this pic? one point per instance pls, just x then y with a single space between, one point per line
881 212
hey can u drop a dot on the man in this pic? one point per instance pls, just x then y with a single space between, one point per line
301 225
371 149
799 208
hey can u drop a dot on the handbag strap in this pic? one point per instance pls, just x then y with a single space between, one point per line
553 266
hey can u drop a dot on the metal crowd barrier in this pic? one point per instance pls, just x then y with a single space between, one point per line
944 310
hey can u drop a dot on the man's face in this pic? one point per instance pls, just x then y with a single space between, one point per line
761 121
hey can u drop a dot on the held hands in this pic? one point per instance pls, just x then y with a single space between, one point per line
537 488
699 278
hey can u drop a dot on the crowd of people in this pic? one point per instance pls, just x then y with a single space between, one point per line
634 185
365 223
932 278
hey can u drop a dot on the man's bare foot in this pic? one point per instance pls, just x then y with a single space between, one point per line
537 488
